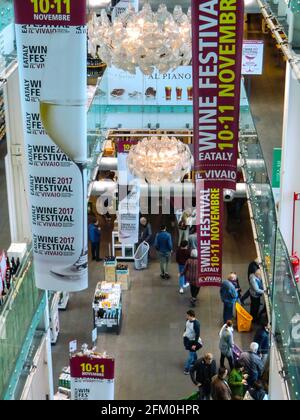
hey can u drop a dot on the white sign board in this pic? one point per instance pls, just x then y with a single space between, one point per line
73 346
92 378
253 58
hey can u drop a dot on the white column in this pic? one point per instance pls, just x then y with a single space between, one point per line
14 163
290 177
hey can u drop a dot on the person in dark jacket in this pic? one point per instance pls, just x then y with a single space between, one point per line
257 392
220 390
164 246
262 338
182 255
252 363
191 340
252 268
202 373
229 297
146 231
191 275
95 238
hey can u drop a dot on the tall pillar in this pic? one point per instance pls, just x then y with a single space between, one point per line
14 163
290 177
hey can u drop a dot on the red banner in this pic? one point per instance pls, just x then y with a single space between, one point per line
210 232
217 62
50 12
92 368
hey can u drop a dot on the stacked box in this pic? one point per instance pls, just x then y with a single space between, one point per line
110 271
123 278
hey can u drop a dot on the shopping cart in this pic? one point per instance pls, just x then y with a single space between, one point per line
141 256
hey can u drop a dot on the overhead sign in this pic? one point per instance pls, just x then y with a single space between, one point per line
217 62
92 378
51 41
253 58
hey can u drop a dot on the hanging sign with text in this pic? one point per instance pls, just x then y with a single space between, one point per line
217 62
92 378
51 41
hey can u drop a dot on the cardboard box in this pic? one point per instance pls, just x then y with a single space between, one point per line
123 278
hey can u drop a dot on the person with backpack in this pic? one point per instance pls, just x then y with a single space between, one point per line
229 297
202 373
191 340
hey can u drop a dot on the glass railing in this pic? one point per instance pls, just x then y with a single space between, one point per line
284 298
287 13
15 320
6 13
7 36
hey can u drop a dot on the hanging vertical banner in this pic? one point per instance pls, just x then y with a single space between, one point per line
217 62
210 232
129 197
51 43
92 378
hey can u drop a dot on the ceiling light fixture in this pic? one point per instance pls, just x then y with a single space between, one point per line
145 40
160 160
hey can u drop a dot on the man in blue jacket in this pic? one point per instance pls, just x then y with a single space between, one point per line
95 238
229 296
163 245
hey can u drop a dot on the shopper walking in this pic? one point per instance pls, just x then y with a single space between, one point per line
252 268
226 344
220 390
202 373
191 340
182 255
252 363
262 338
95 238
184 226
163 244
146 232
191 275
256 292
229 297
238 381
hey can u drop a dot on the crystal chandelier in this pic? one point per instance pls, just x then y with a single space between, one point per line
144 40
160 160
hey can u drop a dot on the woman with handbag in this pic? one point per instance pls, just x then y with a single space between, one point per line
191 340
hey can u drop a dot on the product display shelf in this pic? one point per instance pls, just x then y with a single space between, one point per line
122 251
107 306
63 301
64 385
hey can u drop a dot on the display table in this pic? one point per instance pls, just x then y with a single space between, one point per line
107 306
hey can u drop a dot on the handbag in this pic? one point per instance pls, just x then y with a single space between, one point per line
188 344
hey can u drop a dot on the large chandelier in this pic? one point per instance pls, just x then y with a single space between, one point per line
144 40
160 160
